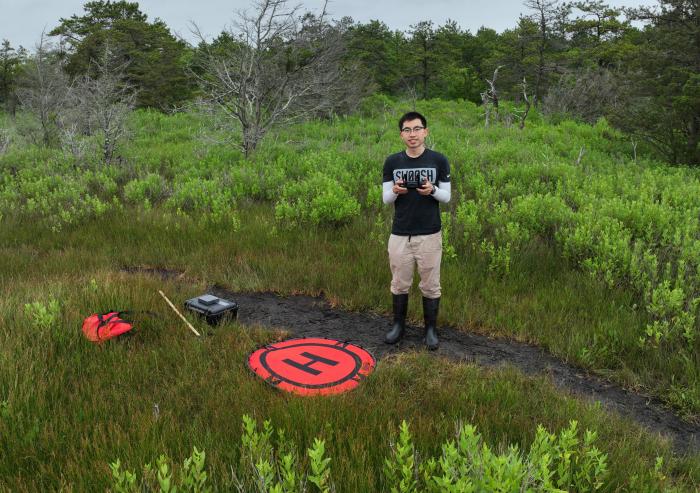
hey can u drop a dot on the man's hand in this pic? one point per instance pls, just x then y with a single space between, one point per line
398 188
426 188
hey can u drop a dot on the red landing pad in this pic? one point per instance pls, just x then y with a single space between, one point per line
312 366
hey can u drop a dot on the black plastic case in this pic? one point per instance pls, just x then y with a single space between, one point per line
212 308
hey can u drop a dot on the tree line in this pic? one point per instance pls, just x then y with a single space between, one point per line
638 67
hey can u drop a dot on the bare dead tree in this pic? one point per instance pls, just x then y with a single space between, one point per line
43 88
72 140
489 98
528 103
108 100
276 68
99 105
411 94
493 92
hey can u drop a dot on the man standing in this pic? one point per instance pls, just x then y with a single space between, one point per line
415 180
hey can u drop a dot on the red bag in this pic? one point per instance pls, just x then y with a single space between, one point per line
102 326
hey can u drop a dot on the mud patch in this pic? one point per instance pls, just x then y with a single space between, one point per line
305 316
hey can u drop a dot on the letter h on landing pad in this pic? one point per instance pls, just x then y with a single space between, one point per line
313 358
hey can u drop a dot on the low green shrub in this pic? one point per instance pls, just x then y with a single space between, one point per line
146 191
205 200
269 463
319 200
191 479
55 200
577 189
43 316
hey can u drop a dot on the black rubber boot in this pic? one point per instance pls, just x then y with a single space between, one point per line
430 314
400 302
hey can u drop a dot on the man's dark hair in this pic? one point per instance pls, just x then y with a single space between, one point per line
412 115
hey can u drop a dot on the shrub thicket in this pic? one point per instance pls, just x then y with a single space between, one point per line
582 190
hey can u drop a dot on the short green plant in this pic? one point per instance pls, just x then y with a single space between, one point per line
274 467
500 256
165 475
467 464
448 248
319 199
122 481
653 481
146 191
43 316
320 474
553 464
400 468
192 477
263 467
205 200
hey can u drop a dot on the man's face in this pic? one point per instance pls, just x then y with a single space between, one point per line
414 139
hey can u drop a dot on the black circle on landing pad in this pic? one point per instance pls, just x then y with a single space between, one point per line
312 365
281 376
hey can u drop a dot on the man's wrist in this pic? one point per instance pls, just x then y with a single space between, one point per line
432 192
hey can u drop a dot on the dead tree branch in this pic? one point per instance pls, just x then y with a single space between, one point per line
99 105
528 103
43 88
489 98
276 68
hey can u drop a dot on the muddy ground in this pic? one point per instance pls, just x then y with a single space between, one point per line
314 317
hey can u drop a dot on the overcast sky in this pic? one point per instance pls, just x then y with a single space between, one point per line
23 20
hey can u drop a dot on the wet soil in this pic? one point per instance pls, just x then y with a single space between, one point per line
305 316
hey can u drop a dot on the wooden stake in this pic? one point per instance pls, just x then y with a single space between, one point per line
179 314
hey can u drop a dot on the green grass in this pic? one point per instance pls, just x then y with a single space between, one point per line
74 407
564 310
68 408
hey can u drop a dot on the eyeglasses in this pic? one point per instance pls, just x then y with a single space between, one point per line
408 131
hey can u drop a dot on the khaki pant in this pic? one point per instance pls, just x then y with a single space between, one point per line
407 251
